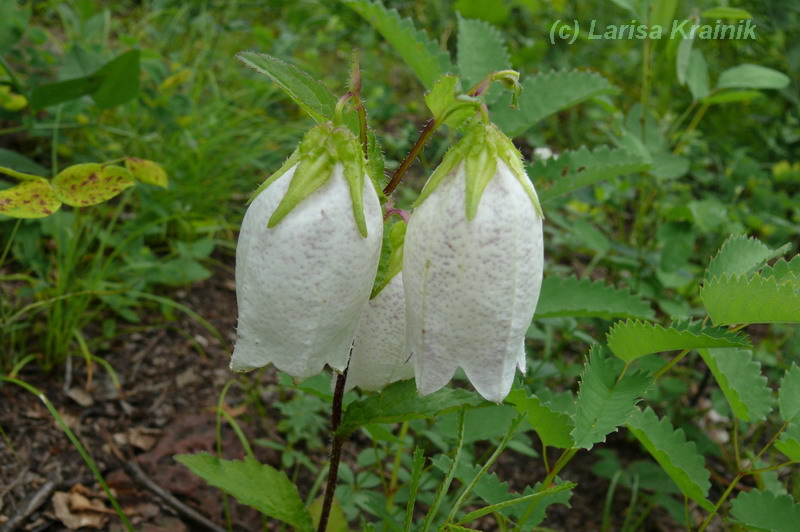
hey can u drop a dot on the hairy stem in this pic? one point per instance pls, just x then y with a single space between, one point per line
427 131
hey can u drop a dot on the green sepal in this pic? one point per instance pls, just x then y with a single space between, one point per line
396 240
352 158
291 161
480 167
375 165
451 160
510 155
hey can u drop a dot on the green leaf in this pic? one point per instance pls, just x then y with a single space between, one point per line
676 456
119 80
741 255
418 463
783 271
310 94
697 75
575 169
584 298
15 161
789 442
32 198
446 105
748 76
740 379
632 339
552 427
13 23
481 50
603 402
763 510
112 84
732 97
789 393
81 185
741 300
399 402
733 13
258 485
147 171
337 520
545 94
420 52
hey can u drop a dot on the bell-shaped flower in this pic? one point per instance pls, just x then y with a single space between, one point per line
306 260
472 266
379 354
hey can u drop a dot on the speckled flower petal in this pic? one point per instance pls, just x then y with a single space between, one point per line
472 285
379 353
303 284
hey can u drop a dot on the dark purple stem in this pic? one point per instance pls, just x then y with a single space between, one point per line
336 452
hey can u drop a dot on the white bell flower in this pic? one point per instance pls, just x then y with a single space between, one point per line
472 266
306 260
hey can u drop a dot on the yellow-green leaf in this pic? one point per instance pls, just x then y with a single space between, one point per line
147 171
87 184
32 198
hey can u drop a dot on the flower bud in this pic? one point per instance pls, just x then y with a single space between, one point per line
473 266
379 354
306 259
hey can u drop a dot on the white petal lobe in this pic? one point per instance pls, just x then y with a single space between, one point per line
379 353
472 285
302 285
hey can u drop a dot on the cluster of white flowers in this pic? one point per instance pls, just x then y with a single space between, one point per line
460 292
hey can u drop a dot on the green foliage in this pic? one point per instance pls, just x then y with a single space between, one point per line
632 339
763 510
741 255
310 94
789 393
740 379
605 402
545 94
113 84
583 167
481 49
400 402
789 442
752 77
447 105
258 485
676 456
584 298
419 52
87 184
553 427
757 299
32 198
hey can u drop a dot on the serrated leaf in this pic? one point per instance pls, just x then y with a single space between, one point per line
445 103
741 382
545 94
741 255
553 427
584 298
764 510
604 403
741 300
789 393
147 171
81 185
575 169
420 53
32 198
400 402
789 442
258 485
676 456
481 50
783 271
311 95
632 339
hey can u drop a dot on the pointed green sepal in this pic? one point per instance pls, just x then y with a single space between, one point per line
352 158
293 159
509 154
480 167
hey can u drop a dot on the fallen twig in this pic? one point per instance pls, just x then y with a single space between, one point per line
41 496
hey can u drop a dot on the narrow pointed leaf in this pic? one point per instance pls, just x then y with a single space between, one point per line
258 485
741 382
603 402
587 299
632 339
676 456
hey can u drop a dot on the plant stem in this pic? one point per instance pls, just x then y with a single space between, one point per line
427 131
666 367
336 452
396 465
